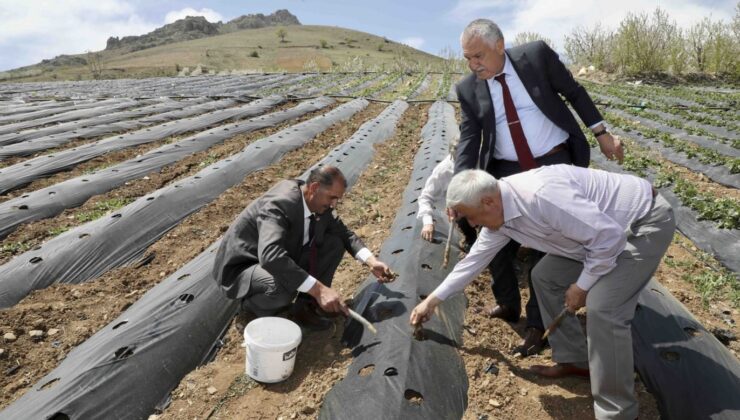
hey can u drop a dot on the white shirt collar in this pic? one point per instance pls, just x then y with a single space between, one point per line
508 68
511 211
306 212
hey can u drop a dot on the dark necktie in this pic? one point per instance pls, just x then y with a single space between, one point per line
523 153
312 245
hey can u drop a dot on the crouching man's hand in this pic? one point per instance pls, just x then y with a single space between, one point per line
328 299
380 270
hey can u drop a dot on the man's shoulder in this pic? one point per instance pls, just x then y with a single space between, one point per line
468 82
285 194
529 48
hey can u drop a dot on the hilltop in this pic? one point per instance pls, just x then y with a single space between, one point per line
250 43
195 27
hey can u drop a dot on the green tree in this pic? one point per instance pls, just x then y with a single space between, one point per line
590 46
697 38
281 33
643 43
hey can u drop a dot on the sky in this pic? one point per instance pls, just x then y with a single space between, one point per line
33 30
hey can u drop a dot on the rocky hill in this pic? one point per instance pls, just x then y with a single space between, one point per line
195 27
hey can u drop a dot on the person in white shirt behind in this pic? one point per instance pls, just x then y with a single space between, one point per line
604 235
434 190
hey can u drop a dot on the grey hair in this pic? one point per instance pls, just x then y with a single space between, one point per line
326 176
469 187
485 29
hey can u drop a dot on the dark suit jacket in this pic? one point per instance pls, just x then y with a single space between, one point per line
544 76
269 232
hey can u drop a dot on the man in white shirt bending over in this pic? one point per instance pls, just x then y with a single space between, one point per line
604 235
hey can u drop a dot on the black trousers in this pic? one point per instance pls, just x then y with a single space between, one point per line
504 283
267 295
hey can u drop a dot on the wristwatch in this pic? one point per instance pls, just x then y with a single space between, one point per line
601 133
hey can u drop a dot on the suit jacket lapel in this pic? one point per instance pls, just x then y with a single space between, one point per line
483 94
528 75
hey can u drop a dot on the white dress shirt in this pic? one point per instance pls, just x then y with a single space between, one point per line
434 189
541 133
577 213
307 284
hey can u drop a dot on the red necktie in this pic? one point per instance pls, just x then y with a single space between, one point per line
523 153
312 246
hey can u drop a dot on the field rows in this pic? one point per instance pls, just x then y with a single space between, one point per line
111 204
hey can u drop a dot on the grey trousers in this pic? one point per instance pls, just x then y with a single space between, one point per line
267 295
611 304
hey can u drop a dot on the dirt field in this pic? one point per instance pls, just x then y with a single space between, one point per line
69 314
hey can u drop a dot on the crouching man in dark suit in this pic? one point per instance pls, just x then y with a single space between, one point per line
288 243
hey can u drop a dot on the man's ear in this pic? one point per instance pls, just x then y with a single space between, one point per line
313 187
487 200
500 45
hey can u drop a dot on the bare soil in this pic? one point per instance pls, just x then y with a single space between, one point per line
220 389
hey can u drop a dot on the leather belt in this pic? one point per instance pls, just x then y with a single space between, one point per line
559 148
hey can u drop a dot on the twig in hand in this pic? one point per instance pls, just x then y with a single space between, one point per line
363 321
555 323
447 246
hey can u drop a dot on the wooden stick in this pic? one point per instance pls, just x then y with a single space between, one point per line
363 321
555 323
447 246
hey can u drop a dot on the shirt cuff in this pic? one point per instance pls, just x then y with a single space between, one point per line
586 280
307 284
427 219
591 127
363 255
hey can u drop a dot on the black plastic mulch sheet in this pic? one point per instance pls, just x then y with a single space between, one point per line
204 85
353 156
98 126
102 109
91 249
62 106
52 200
20 174
723 244
127 369
394 375
362 86
422 86
707 142
29 147
717 173
21 107
690 373
324 85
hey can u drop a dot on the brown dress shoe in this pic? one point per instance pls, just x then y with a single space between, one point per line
559 370
532 344
501 311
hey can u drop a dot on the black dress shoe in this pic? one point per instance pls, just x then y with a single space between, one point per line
532 344
305 316
243 317
560 370
502 311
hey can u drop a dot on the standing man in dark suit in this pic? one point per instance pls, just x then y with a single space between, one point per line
290 242
513 120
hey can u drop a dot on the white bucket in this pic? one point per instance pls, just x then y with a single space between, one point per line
271 344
